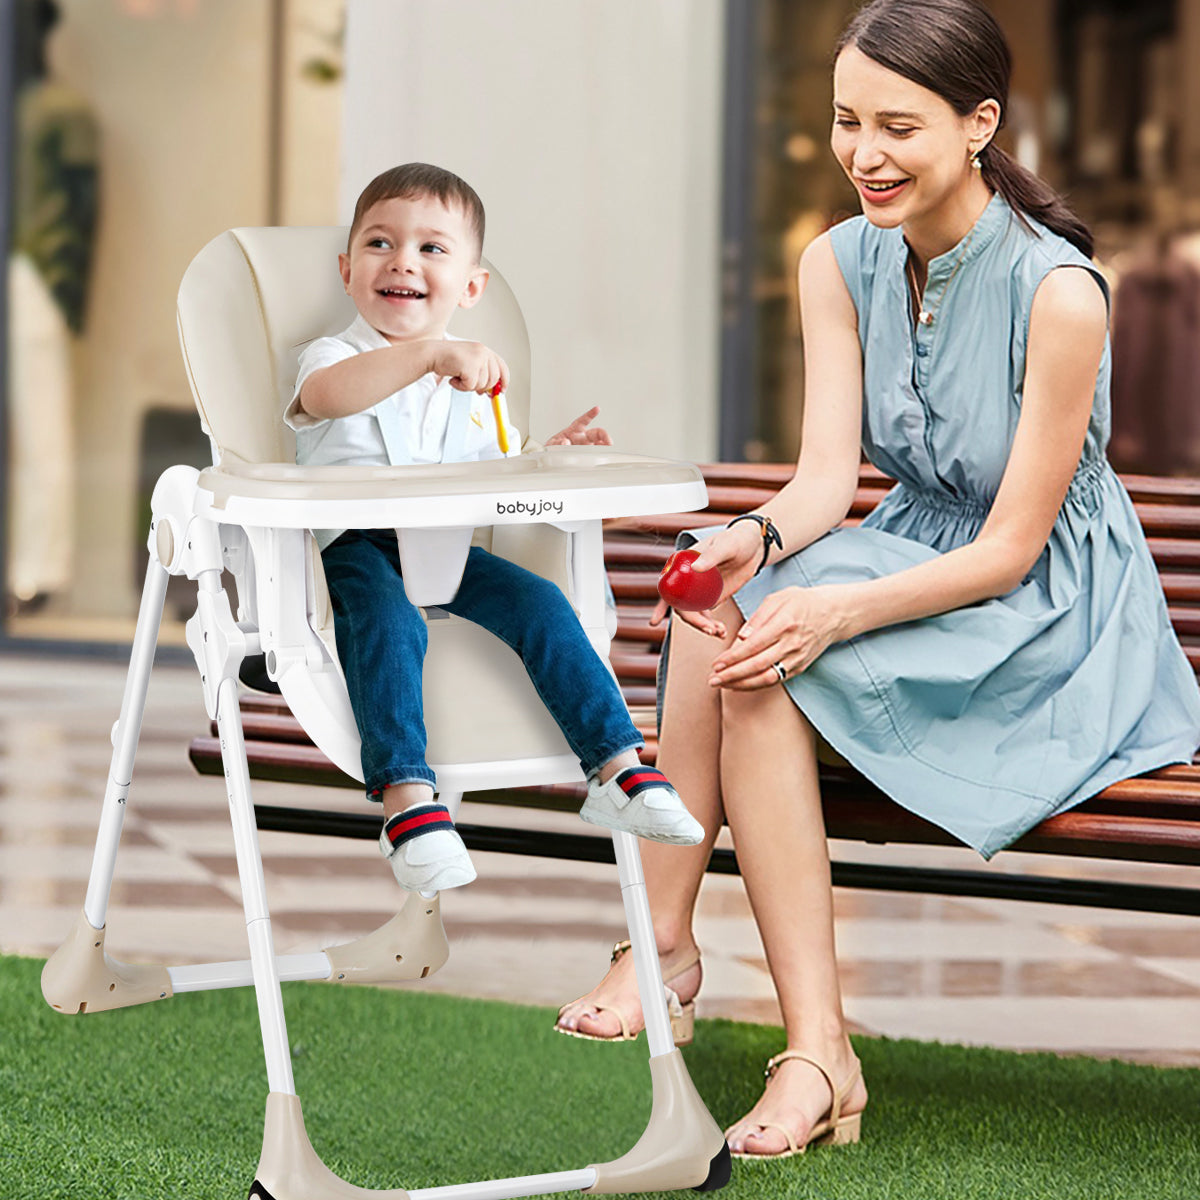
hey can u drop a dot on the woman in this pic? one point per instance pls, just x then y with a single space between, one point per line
991 645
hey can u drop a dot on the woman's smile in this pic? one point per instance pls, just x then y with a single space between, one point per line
881 191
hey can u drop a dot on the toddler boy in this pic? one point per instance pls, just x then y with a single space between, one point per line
381 392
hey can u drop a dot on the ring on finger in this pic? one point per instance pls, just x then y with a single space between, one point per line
780 670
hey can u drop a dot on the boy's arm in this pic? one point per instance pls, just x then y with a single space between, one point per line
364 379
358 382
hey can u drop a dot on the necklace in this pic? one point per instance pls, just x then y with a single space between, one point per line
925 315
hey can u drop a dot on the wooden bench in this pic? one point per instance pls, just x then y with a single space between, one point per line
1150 819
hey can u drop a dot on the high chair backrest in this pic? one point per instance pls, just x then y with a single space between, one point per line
250 301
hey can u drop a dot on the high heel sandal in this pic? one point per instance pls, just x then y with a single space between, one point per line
832 1130
682 1014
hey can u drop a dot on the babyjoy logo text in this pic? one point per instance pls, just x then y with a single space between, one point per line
534 508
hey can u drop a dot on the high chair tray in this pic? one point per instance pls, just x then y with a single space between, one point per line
556 485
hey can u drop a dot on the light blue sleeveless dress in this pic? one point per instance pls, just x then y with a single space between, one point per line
990 718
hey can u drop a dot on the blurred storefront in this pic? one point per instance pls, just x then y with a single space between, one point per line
1105 105
674 153
141 129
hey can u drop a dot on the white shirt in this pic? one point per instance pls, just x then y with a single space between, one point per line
426 422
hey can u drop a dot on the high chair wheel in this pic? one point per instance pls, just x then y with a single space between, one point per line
719 1171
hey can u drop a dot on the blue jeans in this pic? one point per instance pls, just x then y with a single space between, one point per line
381 642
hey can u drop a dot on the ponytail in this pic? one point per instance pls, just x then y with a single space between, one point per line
1029 196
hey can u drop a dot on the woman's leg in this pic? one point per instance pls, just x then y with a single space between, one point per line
688 749
773 806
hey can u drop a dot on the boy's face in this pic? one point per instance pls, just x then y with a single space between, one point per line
412 262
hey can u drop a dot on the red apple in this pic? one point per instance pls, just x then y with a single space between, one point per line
681 587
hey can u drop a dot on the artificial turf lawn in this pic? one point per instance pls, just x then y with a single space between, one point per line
403 1089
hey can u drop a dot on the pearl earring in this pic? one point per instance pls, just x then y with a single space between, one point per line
976 162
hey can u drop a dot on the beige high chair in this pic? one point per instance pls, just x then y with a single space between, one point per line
250 299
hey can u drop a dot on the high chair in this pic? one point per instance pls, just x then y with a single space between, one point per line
250 299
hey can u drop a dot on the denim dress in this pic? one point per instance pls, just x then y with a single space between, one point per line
990 718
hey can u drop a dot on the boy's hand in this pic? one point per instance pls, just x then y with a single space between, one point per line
578 433
469 366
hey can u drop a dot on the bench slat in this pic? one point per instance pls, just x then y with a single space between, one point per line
1180 588
1185 620
729 501
1152 488
1175 554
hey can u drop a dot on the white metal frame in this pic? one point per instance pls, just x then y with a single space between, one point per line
253 524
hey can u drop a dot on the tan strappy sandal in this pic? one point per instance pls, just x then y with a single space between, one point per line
833 1130
683 1015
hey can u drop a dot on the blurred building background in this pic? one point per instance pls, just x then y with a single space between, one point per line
651 169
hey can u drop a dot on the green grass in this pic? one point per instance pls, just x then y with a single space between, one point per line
411 1090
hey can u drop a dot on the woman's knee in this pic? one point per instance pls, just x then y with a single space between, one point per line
690 647
760 712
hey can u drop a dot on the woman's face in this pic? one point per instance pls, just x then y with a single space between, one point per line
904 148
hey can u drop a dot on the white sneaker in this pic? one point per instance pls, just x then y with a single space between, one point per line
641 801
425 850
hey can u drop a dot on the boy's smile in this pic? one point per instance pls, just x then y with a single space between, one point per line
412 262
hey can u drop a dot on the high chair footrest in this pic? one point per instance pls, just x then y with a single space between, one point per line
682 1144
80 977
290 1169
412 945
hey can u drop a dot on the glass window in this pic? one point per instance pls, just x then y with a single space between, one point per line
1101 105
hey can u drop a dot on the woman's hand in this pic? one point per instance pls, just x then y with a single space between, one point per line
792 627
578 433
736 553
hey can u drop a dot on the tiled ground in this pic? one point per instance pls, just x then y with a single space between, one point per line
535 930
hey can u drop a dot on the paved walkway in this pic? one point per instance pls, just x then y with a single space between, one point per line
1027 976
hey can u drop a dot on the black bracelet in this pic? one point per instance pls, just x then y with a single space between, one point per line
770 535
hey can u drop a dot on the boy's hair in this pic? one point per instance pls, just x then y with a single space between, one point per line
413 180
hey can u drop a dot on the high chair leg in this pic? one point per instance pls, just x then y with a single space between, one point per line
682 1145
641 939
125 739
451 800
79 976
254 890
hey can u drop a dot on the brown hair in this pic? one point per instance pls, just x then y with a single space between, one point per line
957 49
413 180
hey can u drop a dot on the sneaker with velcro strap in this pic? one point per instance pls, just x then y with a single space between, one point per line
425 850
641 801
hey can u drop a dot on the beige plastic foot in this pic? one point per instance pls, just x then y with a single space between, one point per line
410 946
680 1143
290 1168
79 977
